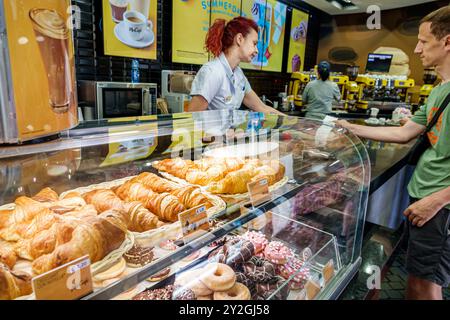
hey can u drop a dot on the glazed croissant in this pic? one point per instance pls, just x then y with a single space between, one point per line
13 284
177 167
191 196
140 219
46 195
164 205
154 182
7 254
103 199
96 236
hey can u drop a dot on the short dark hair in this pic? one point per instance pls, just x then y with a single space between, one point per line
440 22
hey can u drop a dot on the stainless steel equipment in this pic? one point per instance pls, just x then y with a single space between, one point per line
117 99
176 89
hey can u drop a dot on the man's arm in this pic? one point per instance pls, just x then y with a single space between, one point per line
387 134
252 101
198 103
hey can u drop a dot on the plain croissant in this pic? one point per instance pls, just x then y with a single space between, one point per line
46 195
103 199
13 284
25 210
140 219
234 182
154 182
7 254
191 196
177 167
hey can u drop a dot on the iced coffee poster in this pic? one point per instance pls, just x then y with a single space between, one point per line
272 58
190 24
297 41
42 66
129 28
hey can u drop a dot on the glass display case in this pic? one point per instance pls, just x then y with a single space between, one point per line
211 205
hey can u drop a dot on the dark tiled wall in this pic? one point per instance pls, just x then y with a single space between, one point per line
92 64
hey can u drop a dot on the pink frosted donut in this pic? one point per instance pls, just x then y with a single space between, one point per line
292 266
168 244
277 252
258 239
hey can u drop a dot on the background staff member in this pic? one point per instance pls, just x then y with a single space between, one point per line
319 94
221 84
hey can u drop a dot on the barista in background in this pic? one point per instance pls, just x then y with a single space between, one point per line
220 84
319 94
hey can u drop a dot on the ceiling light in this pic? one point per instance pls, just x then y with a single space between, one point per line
336 4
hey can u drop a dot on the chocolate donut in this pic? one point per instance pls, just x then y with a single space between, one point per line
259 269
156 294
250 284
266 290
138 256
233 253
180 293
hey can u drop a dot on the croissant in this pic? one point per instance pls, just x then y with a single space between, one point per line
25 209
103 199
7 254
29 229
273 172
140 219
71 194
46 195
234 182
203 178
177 167
66 205
13 284
134 191
46 241
165 206
82 213
96 236
154 182
191 197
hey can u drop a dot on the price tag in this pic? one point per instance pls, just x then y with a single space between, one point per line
259 191
328 271
68 282
194 223
312 289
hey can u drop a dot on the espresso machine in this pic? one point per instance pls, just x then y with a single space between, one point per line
297 84
429 78
176 88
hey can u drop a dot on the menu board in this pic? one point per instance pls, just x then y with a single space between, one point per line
297 41
190 24
129 28
225 10
256 10
274 39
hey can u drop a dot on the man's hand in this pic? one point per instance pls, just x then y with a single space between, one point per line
344 123
423 210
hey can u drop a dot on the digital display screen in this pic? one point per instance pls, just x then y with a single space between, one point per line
378 62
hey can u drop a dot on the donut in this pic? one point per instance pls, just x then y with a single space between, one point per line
191 279
259 269
233 253
294 267
237 292
277 252
180 293
168 245
274 289
156 294
160 275
138 256
210 297
218 277
114 272
246 281
258 239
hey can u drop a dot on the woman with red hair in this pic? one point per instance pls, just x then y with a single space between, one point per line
220 84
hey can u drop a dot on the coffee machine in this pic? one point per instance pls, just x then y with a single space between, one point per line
429 78
297 84
176 88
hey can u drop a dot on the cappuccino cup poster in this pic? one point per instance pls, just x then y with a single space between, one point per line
297 41
129 28
42 66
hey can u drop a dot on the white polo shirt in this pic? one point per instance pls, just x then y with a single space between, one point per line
220 86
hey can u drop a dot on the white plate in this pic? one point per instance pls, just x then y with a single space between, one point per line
121 34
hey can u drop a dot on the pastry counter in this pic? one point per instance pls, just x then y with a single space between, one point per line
163 211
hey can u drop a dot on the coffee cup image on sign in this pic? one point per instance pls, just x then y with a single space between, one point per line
118 8
136 24
52 36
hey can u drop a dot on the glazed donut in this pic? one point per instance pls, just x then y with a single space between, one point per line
191 280
274 285
218 277
294 266
233 253
258 239
277 252
259 269
237 292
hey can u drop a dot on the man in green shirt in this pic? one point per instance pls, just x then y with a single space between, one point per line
428 256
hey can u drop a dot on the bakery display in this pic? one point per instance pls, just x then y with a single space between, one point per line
226 176
13 284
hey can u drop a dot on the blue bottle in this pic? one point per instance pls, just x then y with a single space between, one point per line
135 71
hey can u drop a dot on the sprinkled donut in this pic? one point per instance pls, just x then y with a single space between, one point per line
277 252
237 292
218 277
180 293
258 239
259 269
294 266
